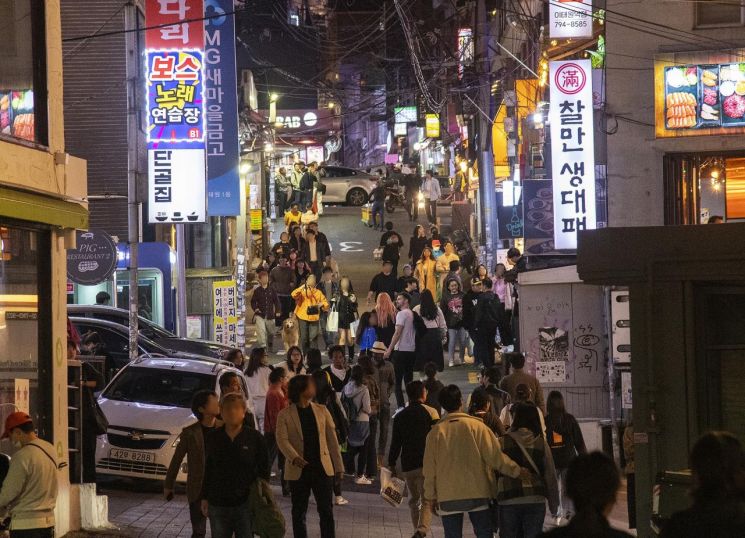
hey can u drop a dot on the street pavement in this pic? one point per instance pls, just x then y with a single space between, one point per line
138 508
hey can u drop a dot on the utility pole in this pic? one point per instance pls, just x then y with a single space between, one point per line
133 206
181 289
482 34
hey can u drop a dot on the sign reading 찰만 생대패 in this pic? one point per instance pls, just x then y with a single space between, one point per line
572 151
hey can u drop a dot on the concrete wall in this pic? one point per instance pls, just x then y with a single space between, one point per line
635 181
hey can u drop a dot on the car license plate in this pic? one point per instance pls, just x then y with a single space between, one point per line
132 455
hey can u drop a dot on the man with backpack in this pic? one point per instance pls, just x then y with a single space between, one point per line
487 317
403 345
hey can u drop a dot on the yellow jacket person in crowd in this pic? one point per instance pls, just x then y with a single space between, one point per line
309 303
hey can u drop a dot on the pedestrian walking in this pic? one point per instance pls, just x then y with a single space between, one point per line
29 492
489 385
480 407
294 364
295 178
307 184
346 306
356 403
391 242
377 198
443 262
487 318
566 442
429 346
522 502
236 456
386 314
403 344
309 303
460 458
519 376
267 308
388 234
283 189
451 305
505 291
367 331
230 383
593 482
432 192
257 381
297 241
293 218
412 184
433 385
313 253
276 401
282 280
329 286
206 407
302 272
370 380
718 490
306 435
338 370
407 272
386 379
235 356
322 239
426 272
412 288
523 394
411 426
383 282
417 243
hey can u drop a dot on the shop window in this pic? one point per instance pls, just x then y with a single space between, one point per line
23 70
25 319
718 13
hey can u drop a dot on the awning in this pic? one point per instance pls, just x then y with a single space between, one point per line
43 209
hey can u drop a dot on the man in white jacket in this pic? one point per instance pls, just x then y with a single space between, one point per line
432 192
460 458
30 489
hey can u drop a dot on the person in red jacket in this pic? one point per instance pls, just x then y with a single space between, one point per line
276 400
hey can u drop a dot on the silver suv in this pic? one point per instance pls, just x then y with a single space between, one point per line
346 185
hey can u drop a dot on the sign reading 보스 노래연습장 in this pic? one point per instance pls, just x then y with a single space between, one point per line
221 110
175 96
572 151
225 314
179 35
570 18
93 260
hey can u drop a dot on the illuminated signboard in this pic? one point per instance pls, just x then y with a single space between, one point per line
179 35
399 129
465 49
569 18
700 94
405 114
175 96
432 125
572 150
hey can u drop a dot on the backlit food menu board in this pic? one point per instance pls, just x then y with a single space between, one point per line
17 113
700 98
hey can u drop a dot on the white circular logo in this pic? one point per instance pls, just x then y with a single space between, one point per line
310 119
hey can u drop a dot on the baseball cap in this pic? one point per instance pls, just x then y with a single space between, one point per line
475 281
379 347
19 418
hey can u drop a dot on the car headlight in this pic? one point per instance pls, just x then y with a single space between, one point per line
176 442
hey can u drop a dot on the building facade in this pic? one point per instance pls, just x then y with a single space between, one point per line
42 203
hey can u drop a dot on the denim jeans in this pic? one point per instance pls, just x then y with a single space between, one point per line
378 209
459 336
226 520
384 420
481 521
521 520
308 334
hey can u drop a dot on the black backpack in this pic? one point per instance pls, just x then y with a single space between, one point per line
420 328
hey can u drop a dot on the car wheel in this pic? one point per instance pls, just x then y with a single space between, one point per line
357 197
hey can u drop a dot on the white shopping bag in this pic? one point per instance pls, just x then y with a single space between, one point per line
392 489
332 322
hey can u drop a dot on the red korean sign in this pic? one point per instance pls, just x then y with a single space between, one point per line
178 35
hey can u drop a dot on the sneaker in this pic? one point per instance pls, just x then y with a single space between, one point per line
362 481
451 364
341 501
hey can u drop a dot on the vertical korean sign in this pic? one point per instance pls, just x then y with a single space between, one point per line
221 110
572 150
570 18
225 314
175 105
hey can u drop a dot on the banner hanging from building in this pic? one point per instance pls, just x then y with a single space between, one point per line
225 312
570 18
221 110
175 109
572 150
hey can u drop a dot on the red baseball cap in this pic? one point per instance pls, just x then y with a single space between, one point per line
19 418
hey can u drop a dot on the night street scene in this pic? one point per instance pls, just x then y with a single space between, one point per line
372 268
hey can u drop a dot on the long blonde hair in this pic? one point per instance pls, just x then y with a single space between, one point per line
385 309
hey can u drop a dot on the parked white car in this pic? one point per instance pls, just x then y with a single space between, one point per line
147 405
346 185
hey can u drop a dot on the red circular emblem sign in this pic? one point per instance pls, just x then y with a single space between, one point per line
570 78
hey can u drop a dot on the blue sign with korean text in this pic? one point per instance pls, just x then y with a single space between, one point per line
175 96
221 110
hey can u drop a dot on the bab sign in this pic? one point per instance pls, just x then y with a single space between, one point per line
572 150
570 18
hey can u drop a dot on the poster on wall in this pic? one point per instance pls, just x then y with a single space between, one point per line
221 111
626 399
225 312
551 371
698 94
553 344
572 151
570 18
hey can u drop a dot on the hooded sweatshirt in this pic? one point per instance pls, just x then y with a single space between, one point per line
360 395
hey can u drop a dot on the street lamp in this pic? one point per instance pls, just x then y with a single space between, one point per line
273 97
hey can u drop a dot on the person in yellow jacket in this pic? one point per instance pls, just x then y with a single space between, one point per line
425 272
309 303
